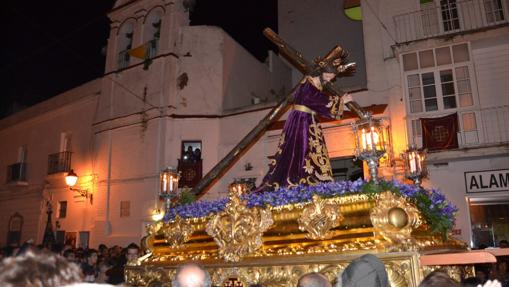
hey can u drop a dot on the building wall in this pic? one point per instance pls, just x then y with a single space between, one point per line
200 77
387 80
39 129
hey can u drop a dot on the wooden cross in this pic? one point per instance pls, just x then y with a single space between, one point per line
304 66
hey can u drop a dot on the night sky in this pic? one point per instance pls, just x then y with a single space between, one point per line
49 47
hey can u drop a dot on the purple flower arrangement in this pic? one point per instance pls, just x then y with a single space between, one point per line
436 210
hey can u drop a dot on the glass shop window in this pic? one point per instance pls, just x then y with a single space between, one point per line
490 221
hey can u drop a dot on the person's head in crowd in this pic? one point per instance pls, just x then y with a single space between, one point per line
132 253
191 275
482 272
102 276
38 268
313 279
7 251
28 245
57 248
69 255
103 250
503 244
115 251
197 154
91 257
438 279
502 268
15 250
365 271
471 282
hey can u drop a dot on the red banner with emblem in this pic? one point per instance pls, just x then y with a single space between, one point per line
440 133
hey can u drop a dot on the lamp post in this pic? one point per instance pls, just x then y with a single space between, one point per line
71 179
370 142
415 168
169 186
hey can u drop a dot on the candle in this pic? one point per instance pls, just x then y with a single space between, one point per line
165 182
411 158
372 138
419 162
363 139
171 183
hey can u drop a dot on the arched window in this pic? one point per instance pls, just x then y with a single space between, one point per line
125 41
152 32
15 227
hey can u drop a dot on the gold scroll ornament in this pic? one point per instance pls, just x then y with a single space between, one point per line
319 218
394 218
238 229
178 232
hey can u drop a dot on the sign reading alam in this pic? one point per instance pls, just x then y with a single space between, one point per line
485 181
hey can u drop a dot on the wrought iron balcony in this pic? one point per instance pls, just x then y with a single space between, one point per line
17 172
450 17
59 162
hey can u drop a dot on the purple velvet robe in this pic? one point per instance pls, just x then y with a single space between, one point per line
302 157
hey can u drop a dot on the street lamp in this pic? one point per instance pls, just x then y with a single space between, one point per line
169 186
415 168
71 179
370 142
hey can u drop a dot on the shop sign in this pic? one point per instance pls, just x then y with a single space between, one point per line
487 181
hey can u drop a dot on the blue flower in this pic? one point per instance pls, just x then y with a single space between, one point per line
432 203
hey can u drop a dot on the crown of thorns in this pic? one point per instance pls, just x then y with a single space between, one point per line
334 62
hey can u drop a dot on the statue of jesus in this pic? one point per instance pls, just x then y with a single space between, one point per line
301 157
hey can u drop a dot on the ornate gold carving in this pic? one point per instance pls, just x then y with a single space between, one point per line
153 228
319 218
394 218
402 271
318 154
238 229
397 274
149 276
178 232
456 272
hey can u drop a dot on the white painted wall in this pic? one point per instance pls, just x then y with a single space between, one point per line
39 128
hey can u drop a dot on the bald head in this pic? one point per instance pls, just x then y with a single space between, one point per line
191 275
313 279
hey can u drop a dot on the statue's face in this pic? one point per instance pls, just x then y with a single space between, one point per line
328 76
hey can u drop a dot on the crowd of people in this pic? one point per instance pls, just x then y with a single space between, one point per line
37 266
191 155
65 264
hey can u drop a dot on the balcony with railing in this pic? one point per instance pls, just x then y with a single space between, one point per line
450 17
476 128
17 172
59 162
123 59
190 172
